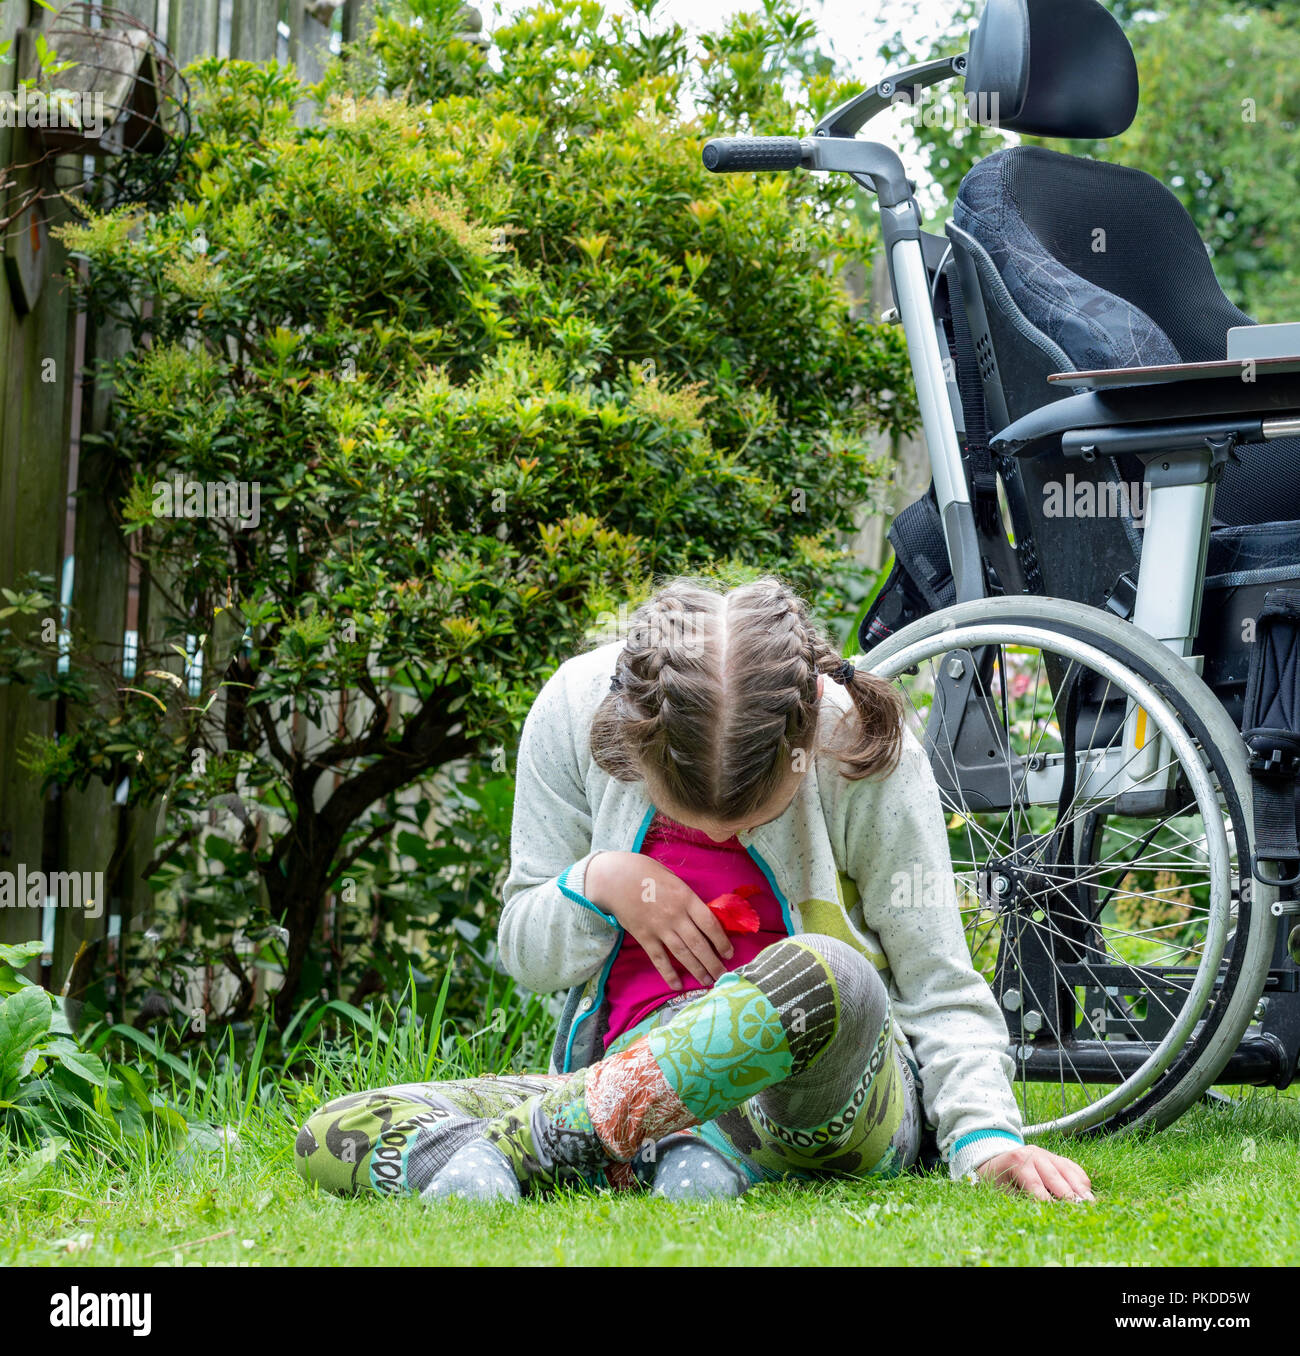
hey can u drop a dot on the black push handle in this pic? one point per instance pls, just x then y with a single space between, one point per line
733 155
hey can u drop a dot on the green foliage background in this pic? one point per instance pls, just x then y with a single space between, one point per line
499 353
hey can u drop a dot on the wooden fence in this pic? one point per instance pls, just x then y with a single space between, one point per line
54 518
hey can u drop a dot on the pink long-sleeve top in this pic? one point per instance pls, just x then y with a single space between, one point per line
634 987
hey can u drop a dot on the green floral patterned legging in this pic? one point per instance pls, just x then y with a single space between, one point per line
787 1067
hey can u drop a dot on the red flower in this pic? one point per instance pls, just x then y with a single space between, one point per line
734 911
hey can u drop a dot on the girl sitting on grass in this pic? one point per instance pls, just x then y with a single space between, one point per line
809 1023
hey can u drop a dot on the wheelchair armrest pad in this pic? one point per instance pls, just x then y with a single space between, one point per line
1162 374
1198 399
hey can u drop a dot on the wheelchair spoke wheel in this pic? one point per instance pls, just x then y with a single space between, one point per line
1093 826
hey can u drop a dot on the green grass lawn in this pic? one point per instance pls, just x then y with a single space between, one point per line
1221 1187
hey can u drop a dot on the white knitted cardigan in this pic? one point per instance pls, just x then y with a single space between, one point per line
866 861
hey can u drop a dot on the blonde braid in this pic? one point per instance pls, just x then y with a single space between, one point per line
716 693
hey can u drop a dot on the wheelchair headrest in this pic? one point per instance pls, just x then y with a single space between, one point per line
1053 68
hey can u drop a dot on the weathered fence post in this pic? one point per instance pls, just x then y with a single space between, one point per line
36 370
44 356
192 29
253 30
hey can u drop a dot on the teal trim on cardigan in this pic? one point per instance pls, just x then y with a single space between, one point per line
644 829
582 899
604 974
595 1007
776 890
976 1135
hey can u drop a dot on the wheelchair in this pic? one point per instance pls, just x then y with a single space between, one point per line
1094 612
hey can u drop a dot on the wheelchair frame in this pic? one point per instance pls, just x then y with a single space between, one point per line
1182 459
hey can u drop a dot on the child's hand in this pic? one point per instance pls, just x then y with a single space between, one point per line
1043 1175
662 913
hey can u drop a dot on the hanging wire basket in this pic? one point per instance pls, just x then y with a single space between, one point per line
111 121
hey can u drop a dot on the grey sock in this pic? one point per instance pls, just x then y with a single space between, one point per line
692 1171
477 1172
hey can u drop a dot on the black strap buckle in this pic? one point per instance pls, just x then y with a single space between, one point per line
1273 763
1256 859
1122 598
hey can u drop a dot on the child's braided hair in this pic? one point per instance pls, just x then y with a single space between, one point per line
715 690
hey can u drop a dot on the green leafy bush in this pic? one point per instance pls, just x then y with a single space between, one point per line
57 1091
493 354
46 1080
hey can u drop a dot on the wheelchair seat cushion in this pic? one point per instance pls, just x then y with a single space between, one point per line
1106 262
1037 258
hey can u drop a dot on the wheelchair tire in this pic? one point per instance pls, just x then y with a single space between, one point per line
1183 1075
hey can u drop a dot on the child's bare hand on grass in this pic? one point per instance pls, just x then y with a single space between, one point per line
669 920
1039 1173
